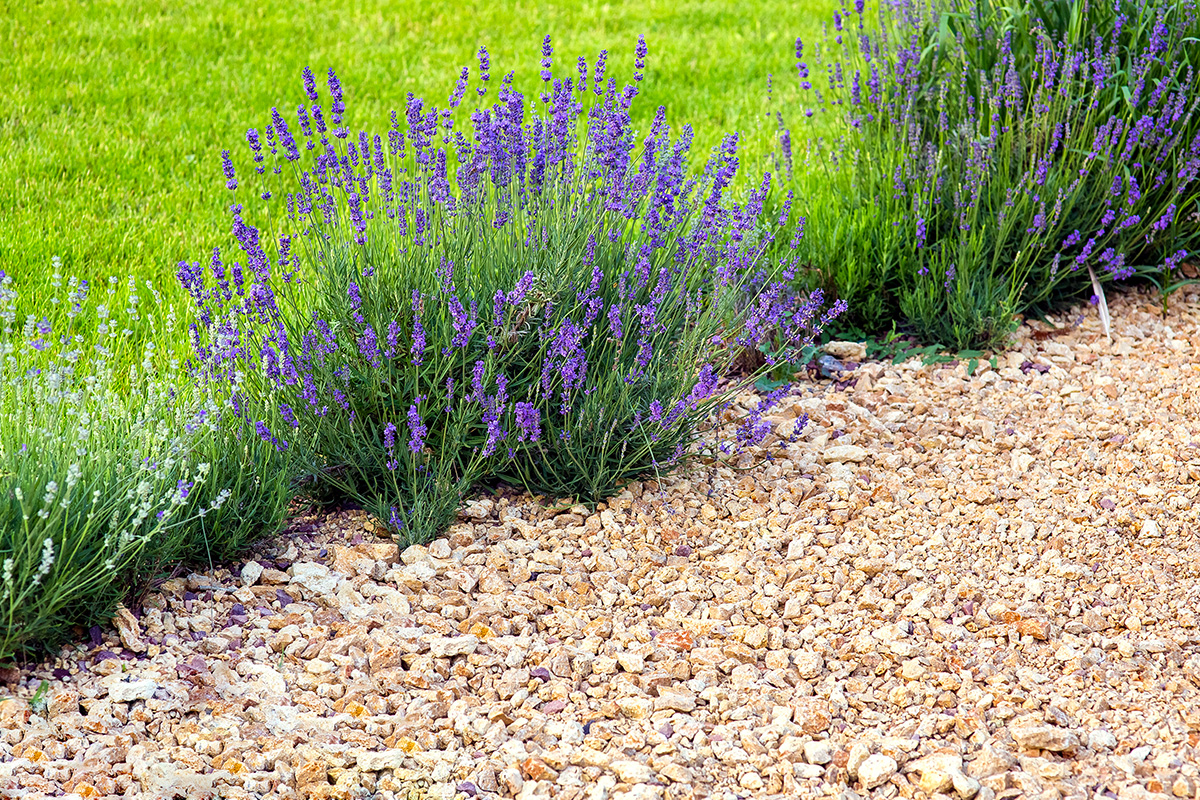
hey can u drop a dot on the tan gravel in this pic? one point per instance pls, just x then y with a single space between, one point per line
975 586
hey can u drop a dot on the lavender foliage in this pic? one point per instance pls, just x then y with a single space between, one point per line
989 156
533 291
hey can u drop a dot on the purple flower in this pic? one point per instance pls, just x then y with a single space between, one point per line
465 321
520 289
529 422
355 302
639 58
310 85
339 105
417 429
285 135
547 52
227 167
368 347
256 148
460 89
598 80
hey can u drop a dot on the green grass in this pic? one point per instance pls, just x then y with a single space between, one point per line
113 114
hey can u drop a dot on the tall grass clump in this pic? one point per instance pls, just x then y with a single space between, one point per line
991 156
532 293
112 465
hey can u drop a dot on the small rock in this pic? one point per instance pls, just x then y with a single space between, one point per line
677 699
841 453
120 691
812 715
752 781
677 773
937 771
1044 737
631 662
450 646
129 630
859 752
808 664
510 778
876 770
819 751
315 578
379 761
632 772
991 761
808 771
1100 739
1140 753
1183 787
846 351
636 707
251 572
966 786
1037 628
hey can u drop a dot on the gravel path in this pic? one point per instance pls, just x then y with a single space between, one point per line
982 587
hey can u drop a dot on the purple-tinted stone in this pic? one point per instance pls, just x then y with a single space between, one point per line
189 596
586 553
60 674
553 707
283 597
683 550
540 672
666 730
467 788
645 606
100 655
238 610
94 634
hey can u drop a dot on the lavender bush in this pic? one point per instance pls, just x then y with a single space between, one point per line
532 292
111 464
991 156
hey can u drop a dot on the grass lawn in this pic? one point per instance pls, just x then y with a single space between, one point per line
113 114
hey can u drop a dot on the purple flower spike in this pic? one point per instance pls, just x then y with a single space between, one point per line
598 80
417 430
227 168
547 52
460 89
529 422
310 85
339 105
640 58
485 65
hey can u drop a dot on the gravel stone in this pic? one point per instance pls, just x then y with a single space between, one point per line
876 770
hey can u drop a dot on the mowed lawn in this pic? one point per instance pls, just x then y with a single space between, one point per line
113 114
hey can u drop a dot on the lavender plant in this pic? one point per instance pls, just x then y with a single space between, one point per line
111 465
534 293
992 156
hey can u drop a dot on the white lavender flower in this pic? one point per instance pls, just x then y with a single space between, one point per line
47 561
